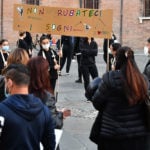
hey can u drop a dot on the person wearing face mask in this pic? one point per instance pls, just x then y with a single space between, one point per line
147 53
105 49
4 53
21 43
113 50
23 116
17 56
52 57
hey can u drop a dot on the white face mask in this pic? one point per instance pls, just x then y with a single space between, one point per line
5 48
46 46
146 51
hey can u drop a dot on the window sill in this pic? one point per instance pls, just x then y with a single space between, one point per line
143 18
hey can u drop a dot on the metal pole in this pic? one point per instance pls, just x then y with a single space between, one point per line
121 20
2 15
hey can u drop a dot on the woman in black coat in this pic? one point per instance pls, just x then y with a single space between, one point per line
23 44
52 57
120 100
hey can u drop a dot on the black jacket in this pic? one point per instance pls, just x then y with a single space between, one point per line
2 62
119 119
147 70
28 40
88 51
2 88
66 41
50 58
57 116
22 44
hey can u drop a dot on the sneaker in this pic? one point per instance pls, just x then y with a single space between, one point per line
78 81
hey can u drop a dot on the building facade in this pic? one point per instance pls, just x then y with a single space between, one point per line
131 18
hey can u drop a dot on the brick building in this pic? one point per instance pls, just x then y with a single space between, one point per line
131 21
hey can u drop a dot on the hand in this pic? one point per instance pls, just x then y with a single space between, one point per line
57 67
60 53
66 112
30 52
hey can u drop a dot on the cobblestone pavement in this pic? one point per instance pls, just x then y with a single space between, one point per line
71 95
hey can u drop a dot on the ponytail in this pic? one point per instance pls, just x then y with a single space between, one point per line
136 86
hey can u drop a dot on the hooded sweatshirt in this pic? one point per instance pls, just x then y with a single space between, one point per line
24 123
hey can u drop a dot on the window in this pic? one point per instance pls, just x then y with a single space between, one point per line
91 4
33 2
147 8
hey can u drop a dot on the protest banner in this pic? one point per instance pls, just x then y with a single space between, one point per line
63 21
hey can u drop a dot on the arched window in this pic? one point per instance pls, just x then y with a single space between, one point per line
91 4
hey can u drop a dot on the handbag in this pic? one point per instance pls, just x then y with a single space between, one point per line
95 130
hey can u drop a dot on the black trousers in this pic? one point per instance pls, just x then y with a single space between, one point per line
53 83
79 67
67 55
86 72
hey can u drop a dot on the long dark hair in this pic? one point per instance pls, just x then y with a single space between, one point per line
135 84
39 75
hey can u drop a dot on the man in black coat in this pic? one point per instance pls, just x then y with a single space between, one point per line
88 52
67 50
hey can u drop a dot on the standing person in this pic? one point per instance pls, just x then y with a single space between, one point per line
52 57
77 52
22 43
28 40
120 100
24 120
17 56
105 49
147 53
67 51
40 86
4 53
114 48
89 50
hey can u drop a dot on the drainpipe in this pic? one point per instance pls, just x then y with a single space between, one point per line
121 20
2 3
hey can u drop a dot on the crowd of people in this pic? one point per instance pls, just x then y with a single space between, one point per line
28 112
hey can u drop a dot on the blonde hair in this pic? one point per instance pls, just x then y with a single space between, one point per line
18 56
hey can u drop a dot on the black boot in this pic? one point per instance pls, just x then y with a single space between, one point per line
79 81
